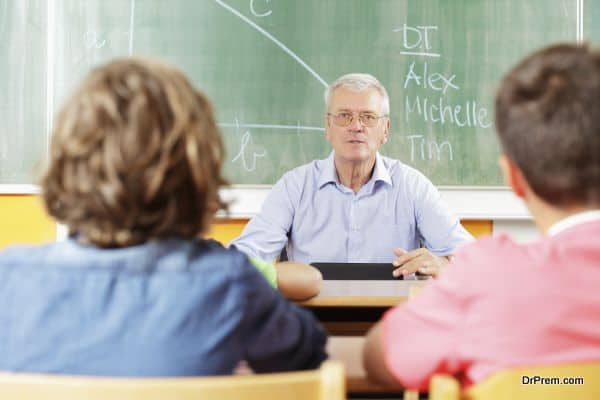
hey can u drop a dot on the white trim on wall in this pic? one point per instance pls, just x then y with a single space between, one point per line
19 189
62 232
521 231
466 203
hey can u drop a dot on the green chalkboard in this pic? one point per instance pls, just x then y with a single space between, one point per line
590 14
23 106
265 65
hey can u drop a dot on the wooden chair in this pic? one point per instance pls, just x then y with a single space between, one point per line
509 384
325 383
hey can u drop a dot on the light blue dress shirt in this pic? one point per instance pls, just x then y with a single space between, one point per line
321 220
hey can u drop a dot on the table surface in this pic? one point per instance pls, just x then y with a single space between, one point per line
368 293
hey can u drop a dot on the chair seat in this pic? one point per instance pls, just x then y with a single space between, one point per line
327 382
554 382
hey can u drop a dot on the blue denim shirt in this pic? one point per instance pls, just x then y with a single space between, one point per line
164 308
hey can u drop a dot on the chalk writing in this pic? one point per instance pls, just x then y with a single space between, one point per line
93 40
244 148
257 14
435 81
273 39
415 40
467 114
246 139
438 111
427 149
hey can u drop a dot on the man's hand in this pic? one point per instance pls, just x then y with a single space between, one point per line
419 260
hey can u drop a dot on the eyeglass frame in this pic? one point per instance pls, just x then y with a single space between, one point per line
378 118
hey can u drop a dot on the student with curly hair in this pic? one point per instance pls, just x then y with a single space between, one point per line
134 172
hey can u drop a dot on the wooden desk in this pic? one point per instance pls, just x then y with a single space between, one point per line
348 350
348 309
352 307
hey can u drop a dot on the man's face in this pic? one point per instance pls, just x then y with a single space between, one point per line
356 142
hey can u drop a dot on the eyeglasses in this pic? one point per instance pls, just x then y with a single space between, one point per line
367 119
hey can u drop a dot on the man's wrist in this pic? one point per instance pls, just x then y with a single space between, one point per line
446 260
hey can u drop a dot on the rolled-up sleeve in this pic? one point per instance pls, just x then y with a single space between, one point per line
277 334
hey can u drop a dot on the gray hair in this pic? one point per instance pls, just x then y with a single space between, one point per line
358 83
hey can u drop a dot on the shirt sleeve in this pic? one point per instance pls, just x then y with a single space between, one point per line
278 335
266 234
267 270
421 337
440 231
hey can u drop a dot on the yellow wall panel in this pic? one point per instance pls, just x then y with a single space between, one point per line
226 230
23 219
478 228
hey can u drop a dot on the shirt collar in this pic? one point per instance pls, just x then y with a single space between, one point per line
573 220
381 173
329 175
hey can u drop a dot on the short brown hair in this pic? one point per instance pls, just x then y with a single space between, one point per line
548 120
135 155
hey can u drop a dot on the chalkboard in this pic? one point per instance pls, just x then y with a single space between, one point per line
592 13
23 106
265 65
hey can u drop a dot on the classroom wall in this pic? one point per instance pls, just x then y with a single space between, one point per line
226 230
24 220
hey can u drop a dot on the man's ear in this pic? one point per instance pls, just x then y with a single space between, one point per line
387 131
327 127
513 176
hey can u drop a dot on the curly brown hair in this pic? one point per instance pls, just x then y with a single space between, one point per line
548 120
135 155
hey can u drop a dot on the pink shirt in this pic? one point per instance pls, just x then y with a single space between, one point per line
501 304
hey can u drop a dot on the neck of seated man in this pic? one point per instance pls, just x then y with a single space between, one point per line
354 175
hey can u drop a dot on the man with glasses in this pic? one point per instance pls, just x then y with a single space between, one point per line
356 205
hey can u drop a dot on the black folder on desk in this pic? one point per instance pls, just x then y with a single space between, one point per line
356 271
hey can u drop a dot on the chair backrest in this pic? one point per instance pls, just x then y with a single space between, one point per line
325 383
566 381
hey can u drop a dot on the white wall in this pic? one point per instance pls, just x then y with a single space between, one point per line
523 230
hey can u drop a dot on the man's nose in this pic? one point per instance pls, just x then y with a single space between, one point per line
356 125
